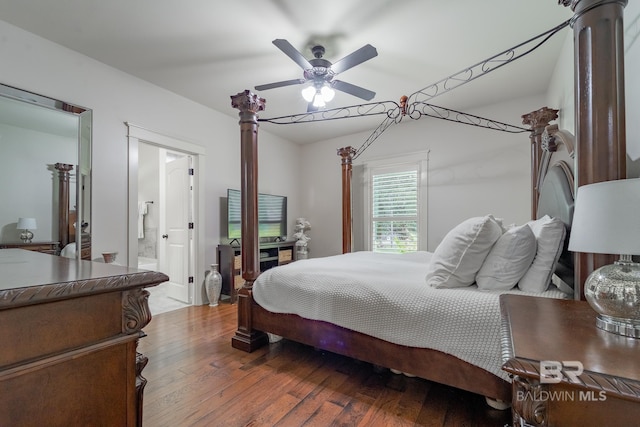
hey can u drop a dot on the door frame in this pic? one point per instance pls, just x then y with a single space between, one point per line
137 134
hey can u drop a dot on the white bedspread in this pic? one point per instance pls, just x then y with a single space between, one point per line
386 296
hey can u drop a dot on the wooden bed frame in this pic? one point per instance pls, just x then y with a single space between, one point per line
600 155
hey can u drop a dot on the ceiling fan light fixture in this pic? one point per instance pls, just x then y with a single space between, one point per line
319 96
308 93
319 73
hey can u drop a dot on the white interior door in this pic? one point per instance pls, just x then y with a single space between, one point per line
178 240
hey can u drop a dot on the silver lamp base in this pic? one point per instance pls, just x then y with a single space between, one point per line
613 291
618 326
26 236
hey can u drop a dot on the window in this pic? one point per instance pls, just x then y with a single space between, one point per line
395 200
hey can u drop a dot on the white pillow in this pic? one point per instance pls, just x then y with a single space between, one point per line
508 260
461 253
550 234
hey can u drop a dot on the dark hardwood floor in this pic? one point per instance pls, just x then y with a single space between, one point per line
195 378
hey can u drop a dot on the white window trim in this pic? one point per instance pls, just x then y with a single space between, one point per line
421 159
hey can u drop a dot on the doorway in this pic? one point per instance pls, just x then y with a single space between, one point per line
165 211
165 190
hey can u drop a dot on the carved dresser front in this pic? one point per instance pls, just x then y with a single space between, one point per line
68 336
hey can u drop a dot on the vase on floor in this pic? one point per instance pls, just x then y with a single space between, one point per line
213 285
109 257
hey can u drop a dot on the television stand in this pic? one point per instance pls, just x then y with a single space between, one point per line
272 254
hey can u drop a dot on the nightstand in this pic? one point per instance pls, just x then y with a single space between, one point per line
590 377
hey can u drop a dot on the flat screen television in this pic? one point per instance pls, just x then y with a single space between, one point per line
272 215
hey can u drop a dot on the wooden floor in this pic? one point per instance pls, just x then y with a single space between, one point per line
195 378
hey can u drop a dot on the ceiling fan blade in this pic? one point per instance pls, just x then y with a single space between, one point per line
292 53
280 84
354 90
365 53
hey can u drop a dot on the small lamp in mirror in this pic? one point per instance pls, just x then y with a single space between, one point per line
606 220
26 225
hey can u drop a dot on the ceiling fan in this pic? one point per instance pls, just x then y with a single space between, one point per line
320 73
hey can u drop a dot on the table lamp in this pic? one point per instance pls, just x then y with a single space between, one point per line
606 220
26 224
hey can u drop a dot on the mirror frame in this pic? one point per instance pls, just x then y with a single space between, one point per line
84 152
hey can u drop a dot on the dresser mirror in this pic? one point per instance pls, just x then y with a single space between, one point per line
45 173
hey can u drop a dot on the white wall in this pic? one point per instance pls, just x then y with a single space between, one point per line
35 64
561 89
472 172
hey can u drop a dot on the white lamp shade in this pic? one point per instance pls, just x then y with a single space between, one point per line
27 224
606 218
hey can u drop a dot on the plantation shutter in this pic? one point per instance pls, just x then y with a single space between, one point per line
394 210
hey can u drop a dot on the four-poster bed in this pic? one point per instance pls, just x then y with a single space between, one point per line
424 362
599 155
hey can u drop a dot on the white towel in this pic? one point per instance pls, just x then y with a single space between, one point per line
142 211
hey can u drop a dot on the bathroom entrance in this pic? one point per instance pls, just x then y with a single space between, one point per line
165 209
166 182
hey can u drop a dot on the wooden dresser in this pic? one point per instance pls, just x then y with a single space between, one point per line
52 248
69 331
591 377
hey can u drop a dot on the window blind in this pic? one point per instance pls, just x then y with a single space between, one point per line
394 211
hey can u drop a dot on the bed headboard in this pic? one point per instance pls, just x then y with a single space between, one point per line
555 190
556 197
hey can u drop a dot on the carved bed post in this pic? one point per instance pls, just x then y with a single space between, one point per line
63 203
538 120
346 153
599 103
249 104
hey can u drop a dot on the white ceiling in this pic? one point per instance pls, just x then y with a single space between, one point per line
207 50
